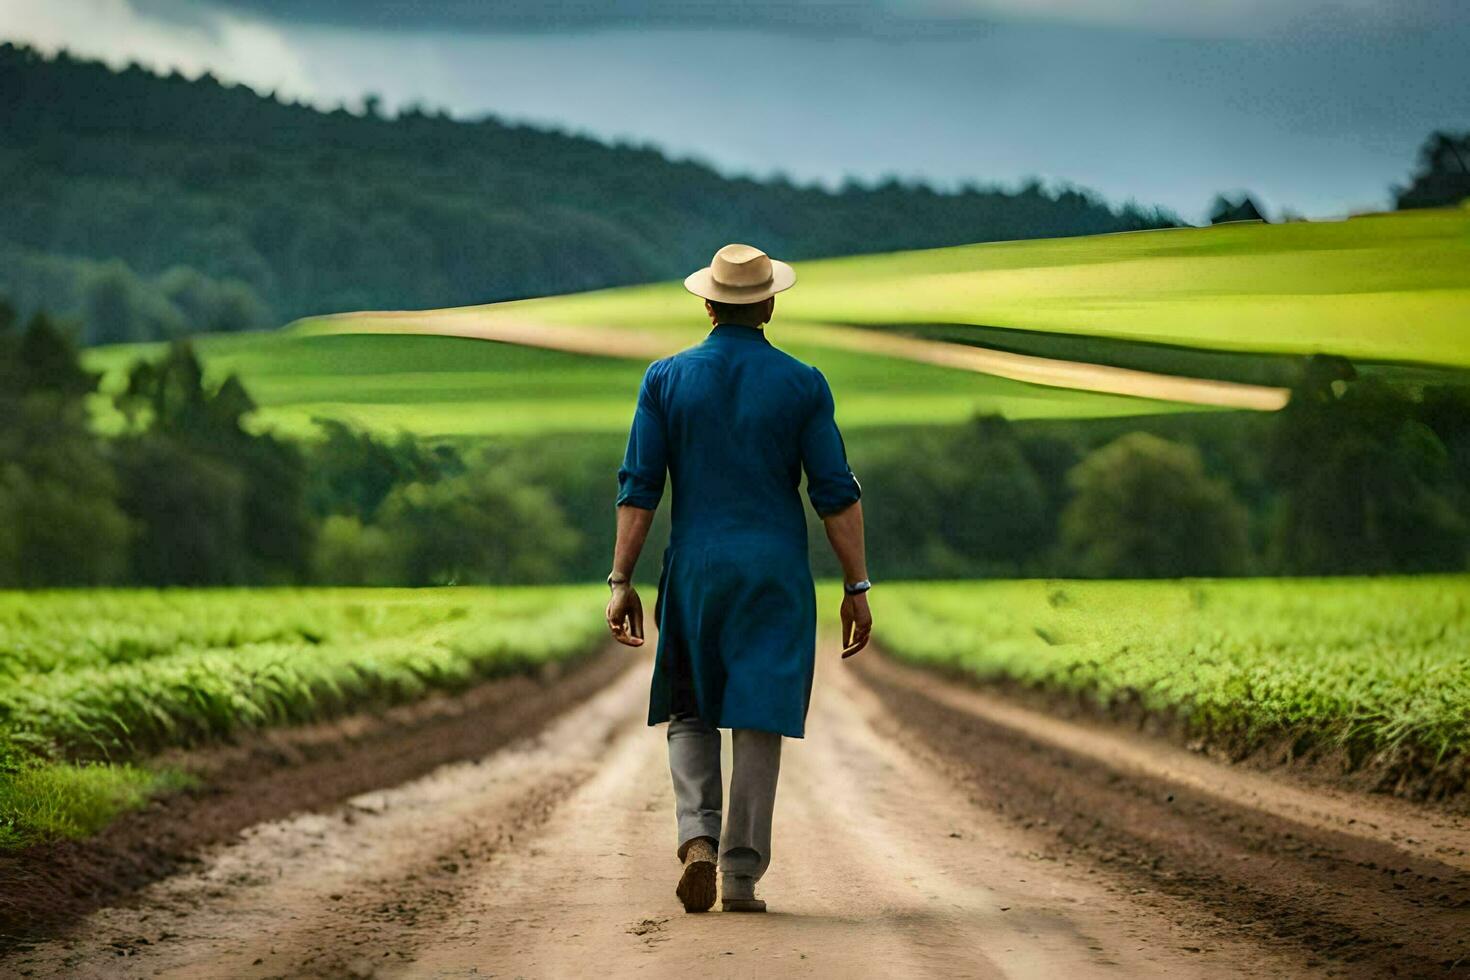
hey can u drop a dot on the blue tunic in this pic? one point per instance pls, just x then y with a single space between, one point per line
733 422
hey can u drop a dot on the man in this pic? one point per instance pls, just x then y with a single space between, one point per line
734 421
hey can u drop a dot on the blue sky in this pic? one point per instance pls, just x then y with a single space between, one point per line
1314 106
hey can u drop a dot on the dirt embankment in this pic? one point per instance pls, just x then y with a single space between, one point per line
268 775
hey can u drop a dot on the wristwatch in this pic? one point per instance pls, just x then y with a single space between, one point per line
615 579
856 588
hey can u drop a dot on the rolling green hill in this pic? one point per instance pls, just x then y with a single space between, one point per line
1239 302
460 388
1392 287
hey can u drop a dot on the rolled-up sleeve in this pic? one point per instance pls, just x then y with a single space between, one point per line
641 477
830 484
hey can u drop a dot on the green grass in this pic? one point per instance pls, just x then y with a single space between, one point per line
51 800
1366 663
1248 367
110 676
1390 287
434 386
457 388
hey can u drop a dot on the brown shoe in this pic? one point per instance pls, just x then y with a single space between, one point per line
697 885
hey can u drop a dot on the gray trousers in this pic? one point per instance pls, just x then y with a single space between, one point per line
694 761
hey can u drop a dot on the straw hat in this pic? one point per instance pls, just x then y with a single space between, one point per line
741 274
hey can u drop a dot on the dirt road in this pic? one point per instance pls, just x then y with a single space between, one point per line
902 850
473 323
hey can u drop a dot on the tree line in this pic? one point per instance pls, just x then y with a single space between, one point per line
1353 477
147 206
187 493
1441 178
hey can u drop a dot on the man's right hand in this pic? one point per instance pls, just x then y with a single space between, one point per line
625 615
857 623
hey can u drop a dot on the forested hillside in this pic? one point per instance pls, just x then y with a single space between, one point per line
144 206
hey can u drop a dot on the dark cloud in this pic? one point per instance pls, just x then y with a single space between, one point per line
871 18
901 18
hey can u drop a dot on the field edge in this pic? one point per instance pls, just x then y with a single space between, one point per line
1404 771
268 774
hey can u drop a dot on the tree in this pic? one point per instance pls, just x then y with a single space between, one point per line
967 503
1144 507
310 212
243 495
349 553
211 305
59 520
480 526
352 472
993 503
1443 175
1369 484
61 530
119 308
47 361
1244 208
190 511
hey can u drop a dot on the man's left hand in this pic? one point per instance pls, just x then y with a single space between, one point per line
857 623
625 615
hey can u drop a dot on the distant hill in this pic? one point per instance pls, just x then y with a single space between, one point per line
146 206
1243 302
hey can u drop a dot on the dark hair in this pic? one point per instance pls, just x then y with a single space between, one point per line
745 314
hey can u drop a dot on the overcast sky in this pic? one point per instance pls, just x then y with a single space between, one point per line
1316 106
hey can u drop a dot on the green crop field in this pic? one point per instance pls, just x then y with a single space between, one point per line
1368 663
1390 288
92 680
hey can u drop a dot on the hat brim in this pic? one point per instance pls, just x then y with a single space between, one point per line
703 285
